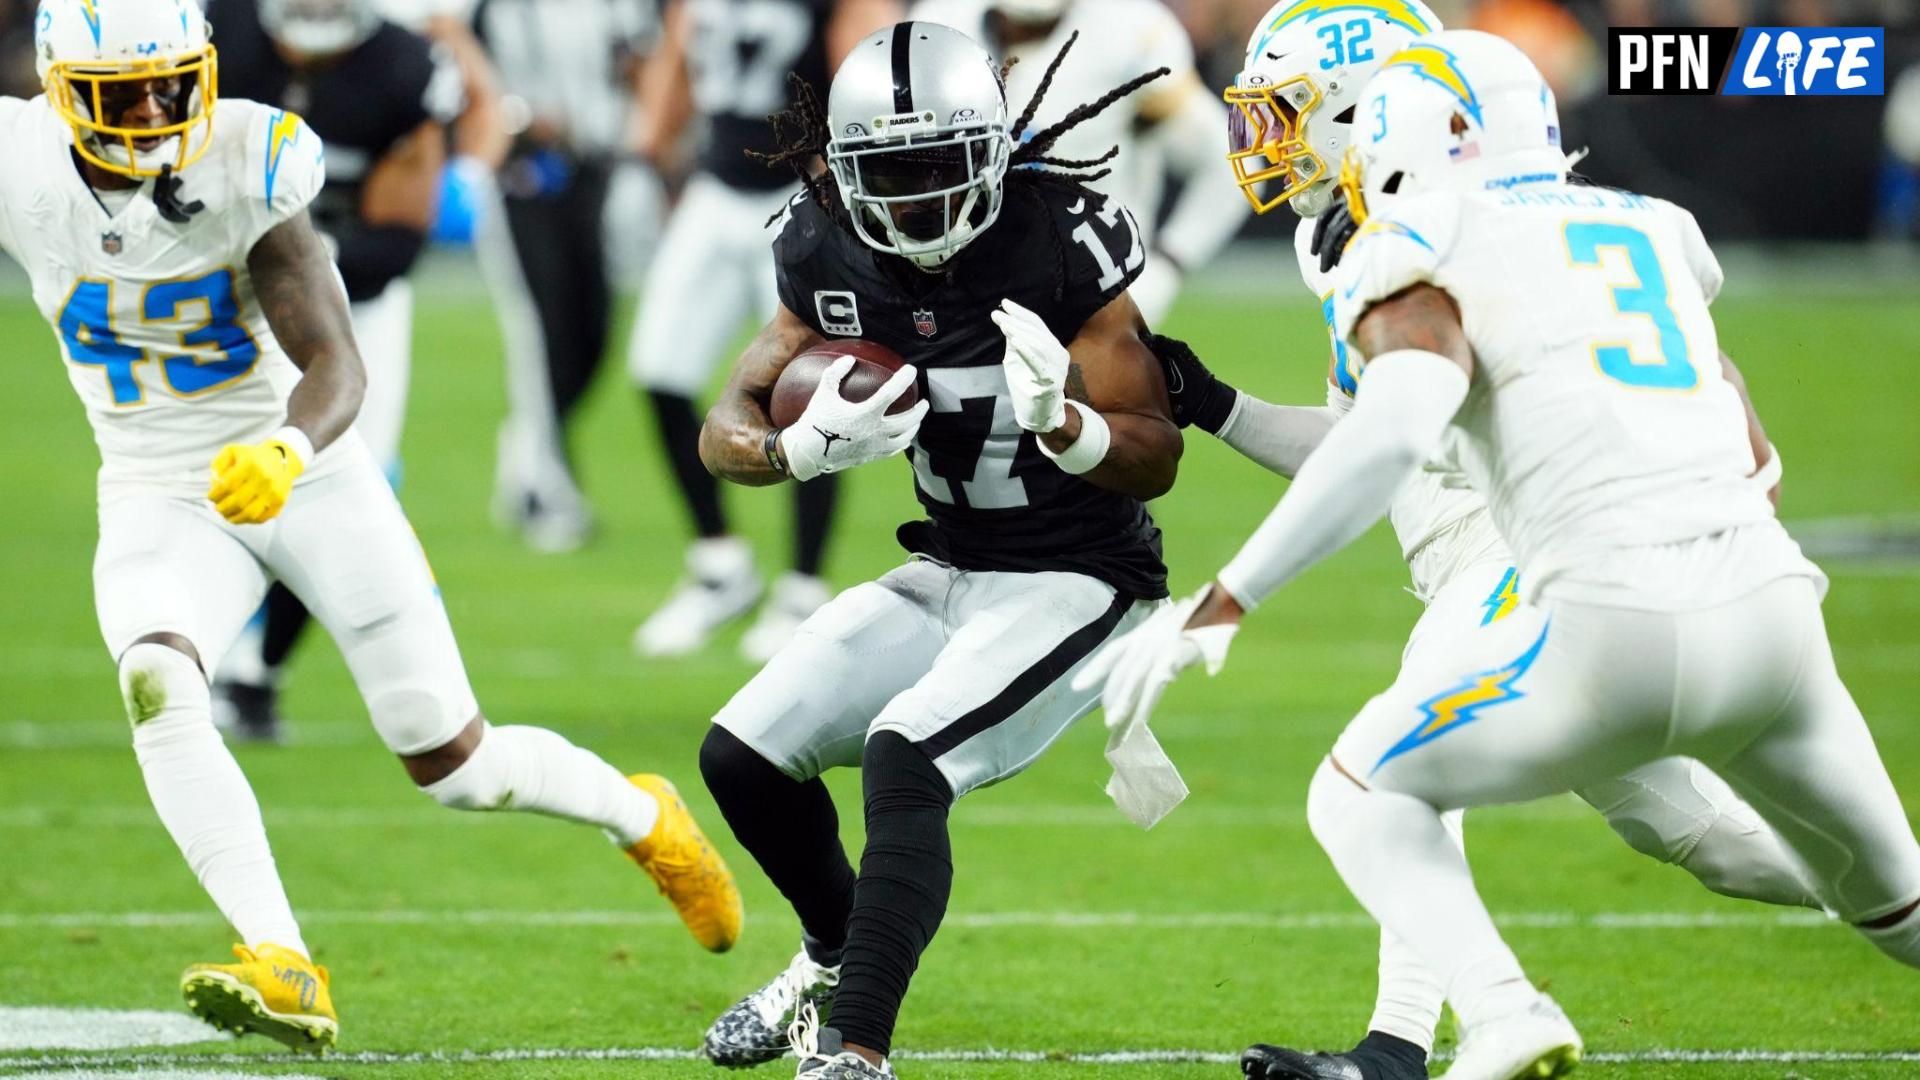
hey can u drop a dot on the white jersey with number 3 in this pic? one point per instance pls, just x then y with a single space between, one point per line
1599 424
156 320
1441 523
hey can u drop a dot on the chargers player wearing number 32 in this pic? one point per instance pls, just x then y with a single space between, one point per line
1557 340
1034 447
208 335
1294 105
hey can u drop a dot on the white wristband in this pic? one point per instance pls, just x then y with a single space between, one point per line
297 442
1768 475
1087 451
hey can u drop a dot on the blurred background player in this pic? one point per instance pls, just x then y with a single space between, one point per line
379 97
727 62
1171 129
205 329
569 71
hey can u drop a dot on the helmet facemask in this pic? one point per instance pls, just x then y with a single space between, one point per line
93 98
1267 141
923 196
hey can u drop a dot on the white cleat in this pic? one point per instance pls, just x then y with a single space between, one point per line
754 1030
720 586
1538 1043
794 598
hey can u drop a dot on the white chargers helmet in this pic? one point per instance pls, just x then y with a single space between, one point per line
1458 111
318 28
1293 101
918 141
99 58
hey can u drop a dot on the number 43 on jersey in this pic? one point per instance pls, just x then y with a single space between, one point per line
209 347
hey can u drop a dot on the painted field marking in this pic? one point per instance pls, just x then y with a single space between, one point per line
987 815
37 1027
1077 1057
979 920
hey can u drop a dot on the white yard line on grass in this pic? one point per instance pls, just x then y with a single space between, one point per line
990 815
984 920
1094 1057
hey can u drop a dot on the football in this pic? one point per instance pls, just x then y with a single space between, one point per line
873 365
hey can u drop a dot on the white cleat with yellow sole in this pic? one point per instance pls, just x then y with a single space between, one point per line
1537 1043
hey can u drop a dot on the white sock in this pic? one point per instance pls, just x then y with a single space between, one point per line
201 795
1407 1005
538 771
1410 875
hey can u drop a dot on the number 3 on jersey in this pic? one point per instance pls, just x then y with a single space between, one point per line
1649 297
86 325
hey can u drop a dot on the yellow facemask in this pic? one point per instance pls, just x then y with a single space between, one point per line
76 91
1267 140
1351 185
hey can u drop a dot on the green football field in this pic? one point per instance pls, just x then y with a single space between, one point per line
1077 946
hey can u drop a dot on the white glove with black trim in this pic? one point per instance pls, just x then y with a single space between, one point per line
834 434
1036 367
1136 668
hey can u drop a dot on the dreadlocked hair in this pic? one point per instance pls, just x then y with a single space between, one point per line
1038 170
801 132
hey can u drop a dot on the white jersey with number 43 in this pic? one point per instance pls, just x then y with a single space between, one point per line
156 320
1599 425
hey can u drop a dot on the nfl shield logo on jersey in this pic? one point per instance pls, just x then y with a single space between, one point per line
923 322
110 243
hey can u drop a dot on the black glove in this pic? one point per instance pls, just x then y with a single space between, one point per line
1199 398
1331 232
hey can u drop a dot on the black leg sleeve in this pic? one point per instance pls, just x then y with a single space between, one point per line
906 875
813 506
680 432
286 618
791 830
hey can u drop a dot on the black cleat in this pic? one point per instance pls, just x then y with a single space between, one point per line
1378 1057
247 713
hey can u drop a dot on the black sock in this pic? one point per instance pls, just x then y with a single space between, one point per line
791 830
813 504
680 432
286 618
1390 1050
906 875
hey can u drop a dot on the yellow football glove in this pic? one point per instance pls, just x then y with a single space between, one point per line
251 483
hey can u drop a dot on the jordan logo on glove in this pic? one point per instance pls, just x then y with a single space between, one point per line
827 447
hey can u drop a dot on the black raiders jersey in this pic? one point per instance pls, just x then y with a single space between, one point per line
739 57
994 501
360 105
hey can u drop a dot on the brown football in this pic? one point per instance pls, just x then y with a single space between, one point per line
873 365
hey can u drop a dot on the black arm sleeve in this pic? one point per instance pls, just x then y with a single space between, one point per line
371 256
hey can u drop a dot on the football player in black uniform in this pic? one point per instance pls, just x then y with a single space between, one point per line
729 61
379 97
947 233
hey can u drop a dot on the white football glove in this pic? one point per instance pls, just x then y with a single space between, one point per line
834 434
1036 367
1139 666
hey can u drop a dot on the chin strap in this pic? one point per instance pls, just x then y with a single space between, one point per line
166 196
